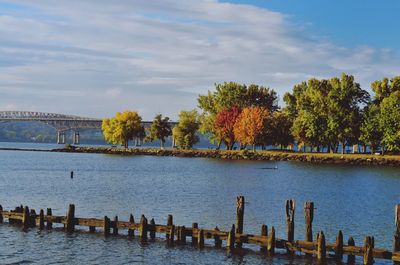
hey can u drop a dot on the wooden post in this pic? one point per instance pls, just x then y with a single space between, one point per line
153 229
26 218
70 225
351 259
239 216
171 235
264 232
230 244
49 223
339 246
1 214
131 232
143 228
194 236
309 217
181 237
321 247
368 251
106 226
41 219
396 242
115 226
170 222
290 210
32 216
217 239
271 242
200 239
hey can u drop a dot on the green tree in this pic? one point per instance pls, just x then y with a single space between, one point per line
371 131
327 112
184 132
390 122
159 130
123 127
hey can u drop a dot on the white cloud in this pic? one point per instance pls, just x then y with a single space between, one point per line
93 58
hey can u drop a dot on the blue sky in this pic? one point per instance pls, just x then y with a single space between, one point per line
96 57
347 22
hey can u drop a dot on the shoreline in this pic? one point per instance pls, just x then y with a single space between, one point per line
317 158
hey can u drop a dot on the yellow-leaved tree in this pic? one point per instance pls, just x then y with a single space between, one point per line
123 127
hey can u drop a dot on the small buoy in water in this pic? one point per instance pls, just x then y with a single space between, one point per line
270 167
72 174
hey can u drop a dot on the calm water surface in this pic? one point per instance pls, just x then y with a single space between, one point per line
358 200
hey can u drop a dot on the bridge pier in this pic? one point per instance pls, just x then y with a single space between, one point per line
76 138
60 137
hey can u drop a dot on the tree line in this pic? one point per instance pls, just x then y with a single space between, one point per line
323 114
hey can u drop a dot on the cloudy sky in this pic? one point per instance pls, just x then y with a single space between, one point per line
96 57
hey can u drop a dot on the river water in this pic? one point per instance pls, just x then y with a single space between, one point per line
357 200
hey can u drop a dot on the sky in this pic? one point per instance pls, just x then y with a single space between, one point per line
93 58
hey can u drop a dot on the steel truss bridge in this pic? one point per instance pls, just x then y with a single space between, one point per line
60 122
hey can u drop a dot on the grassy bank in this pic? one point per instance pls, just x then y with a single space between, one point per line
351 159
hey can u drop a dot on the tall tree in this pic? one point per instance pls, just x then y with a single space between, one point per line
159 130
371 131
229 95
327 112
390 122
249 125
224 125
123 127
185 131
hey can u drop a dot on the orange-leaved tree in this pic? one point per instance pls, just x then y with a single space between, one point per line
224 125
249 125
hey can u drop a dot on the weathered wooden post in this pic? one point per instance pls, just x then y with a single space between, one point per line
217 239
1 214
70 224
170 222
368 251
309 217
171 234
115 226
239 216
264 232
153 229
200 238
26 218
194 236
143 228
41 219
32 216
339 246
321 246
131 232
290 210
181 236
230 243
396 243
271 242
49 223
351 259
106 226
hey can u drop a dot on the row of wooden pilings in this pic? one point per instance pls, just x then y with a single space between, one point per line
234 238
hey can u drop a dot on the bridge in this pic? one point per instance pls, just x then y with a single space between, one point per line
61 122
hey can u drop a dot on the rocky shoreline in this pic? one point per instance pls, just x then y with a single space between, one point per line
322 158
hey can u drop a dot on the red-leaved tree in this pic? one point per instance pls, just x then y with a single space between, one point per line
224 125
